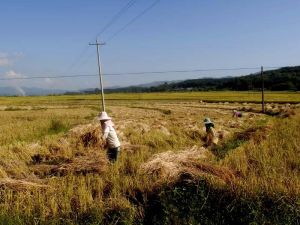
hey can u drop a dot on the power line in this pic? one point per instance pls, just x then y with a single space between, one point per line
43 77
108 24
112 21
132 21
117 16
77 60
27 77
184 71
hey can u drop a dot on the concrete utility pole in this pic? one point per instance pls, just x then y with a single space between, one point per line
100 71
262 89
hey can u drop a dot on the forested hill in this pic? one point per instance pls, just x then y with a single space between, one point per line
286 78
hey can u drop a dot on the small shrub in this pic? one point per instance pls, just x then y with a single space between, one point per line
166 111
38 108
11 108
56 126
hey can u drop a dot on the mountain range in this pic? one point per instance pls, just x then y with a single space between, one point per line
282 79
24 91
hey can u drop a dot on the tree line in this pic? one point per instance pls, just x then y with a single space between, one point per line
283 79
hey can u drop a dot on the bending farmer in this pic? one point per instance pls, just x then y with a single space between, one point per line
211 138
110 138
236 113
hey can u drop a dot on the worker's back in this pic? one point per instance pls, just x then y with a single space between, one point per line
112 138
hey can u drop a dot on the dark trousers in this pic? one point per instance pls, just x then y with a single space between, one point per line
112 154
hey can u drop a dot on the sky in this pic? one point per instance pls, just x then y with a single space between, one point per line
51 38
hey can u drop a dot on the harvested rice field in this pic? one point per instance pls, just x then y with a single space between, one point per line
54 167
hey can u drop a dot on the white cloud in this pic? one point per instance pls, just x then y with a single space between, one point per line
13 74
5 61
9 59
48 81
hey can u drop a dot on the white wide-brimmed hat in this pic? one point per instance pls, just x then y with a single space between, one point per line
103 116
207 121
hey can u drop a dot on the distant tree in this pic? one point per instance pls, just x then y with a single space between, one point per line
283 79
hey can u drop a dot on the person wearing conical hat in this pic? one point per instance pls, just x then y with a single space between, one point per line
111 140
211 138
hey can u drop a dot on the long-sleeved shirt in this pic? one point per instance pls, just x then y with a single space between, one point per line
111 137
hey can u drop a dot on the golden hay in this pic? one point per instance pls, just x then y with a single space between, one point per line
20 185
89 135
82 165
92 163
57 163
169 166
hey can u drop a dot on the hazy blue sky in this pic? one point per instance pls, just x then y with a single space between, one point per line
40 37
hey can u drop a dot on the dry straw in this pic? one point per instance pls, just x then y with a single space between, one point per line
169 166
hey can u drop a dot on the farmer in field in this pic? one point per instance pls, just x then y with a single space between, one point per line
211 139
236 114
110 138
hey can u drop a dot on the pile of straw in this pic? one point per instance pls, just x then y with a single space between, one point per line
20 185
170 166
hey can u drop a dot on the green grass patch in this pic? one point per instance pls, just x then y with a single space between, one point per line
164 111
198 202
208 96
57 126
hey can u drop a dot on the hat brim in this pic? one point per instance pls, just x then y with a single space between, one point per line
104 118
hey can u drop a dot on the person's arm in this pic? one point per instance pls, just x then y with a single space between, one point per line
105 135
213 132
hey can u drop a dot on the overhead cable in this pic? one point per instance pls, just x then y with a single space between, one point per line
106 26
132 21
27 77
